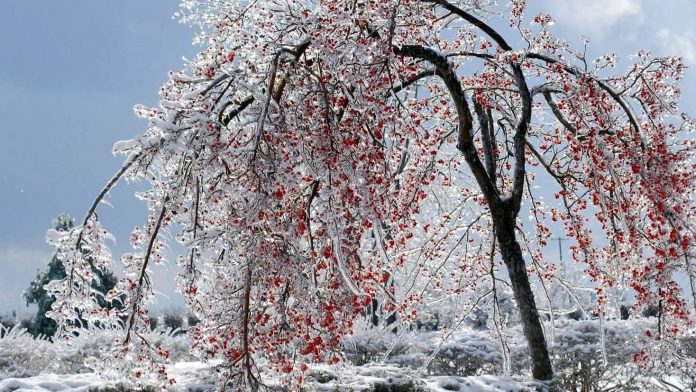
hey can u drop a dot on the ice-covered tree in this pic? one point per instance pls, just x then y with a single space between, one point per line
103 281
318 155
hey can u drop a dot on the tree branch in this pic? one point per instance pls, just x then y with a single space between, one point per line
233 113
474 21
143 270
112 182
484 123
604 86
465 144
522 126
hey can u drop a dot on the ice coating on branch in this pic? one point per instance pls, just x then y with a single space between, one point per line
54 237
124 146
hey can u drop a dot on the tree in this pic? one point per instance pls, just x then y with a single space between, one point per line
319 155
103 281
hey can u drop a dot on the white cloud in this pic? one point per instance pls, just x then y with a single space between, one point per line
594 14
678 44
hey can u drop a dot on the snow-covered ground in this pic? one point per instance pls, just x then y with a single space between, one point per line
192 376
467 360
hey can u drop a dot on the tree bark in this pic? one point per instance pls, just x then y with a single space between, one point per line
511 253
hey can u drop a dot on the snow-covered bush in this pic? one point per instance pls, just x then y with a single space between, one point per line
8 322
173 321
22 355
467 353
369 344
376 358
583 359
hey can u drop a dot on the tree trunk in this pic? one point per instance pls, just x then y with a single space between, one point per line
517 270
503 210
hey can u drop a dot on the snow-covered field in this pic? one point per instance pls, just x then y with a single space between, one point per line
468 360
194 376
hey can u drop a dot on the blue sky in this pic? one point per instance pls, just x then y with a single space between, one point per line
71 71
69 76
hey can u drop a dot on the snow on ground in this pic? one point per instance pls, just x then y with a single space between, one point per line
195 376
53 382
190 376
473 384
366 377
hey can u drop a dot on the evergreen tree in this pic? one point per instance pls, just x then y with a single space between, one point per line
36 294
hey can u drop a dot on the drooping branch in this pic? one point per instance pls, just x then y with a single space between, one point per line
558 177
559 115
109 185
308 219
297 53
415 79
246 348
215 83
603 85
474 21
225 120
143 271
